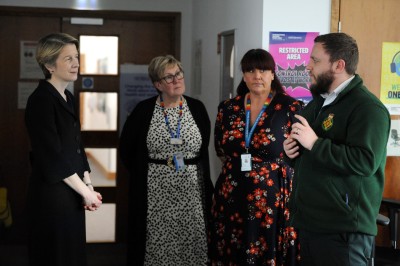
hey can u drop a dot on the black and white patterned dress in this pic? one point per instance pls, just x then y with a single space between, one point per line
176 233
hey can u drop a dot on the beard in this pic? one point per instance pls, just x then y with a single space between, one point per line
322 83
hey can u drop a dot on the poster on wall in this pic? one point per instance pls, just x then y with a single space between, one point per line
291 51
393 146
135 86
29 68
390 77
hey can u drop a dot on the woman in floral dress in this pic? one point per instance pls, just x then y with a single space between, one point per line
249 224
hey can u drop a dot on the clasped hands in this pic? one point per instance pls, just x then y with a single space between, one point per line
301 134
92 201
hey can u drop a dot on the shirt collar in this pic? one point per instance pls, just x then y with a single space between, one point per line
330 97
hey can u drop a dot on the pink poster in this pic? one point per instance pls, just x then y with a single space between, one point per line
291 51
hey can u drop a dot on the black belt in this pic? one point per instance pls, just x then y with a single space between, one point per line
169 162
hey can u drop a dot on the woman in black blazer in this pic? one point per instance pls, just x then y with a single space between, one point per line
60 188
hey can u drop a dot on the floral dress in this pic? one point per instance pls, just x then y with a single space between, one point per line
250 214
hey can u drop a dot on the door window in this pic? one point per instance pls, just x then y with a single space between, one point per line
98 55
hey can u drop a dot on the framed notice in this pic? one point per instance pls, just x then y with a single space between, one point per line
29 68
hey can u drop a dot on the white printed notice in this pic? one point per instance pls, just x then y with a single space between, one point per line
29 68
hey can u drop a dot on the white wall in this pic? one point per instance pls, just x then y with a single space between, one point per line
297 16
252 21
211 17
202 20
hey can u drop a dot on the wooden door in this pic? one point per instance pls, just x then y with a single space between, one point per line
142 36
372 22
138 41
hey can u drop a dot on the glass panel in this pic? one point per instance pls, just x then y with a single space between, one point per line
100 224
98 55
98 110
103 163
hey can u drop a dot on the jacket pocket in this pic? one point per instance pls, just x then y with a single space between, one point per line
341 196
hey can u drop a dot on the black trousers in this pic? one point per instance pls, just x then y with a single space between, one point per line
345 249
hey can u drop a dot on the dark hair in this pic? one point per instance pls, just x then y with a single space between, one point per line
242 88
258 59
340 46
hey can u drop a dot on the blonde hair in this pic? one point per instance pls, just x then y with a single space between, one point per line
158 65
49 48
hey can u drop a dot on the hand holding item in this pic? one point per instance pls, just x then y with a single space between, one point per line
303 133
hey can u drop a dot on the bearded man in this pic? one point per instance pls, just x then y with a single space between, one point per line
338 149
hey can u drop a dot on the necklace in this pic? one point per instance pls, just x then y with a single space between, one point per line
162 104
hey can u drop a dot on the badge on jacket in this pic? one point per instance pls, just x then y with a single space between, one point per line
328 122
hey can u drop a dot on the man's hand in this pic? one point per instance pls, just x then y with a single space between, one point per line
303 133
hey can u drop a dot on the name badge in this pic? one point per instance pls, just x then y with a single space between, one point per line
179 162
176 141
246 162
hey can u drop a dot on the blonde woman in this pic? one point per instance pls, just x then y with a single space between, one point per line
60 187
164 146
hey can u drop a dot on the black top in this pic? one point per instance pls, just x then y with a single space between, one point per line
55 211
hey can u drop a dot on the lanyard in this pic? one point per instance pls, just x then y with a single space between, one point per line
248 108
167 121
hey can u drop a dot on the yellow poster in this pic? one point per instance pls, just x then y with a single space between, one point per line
390 76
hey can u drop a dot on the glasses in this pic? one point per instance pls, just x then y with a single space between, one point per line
170 78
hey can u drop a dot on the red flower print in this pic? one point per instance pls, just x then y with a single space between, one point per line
250 197
274 166
253 173
237 134
243 144
270 182
258 192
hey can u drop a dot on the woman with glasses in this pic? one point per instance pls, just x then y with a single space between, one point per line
164 146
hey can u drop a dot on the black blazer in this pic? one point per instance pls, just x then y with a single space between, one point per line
134 155
56 215
57 150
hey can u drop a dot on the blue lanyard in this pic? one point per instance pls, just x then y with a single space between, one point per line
167 121
248 135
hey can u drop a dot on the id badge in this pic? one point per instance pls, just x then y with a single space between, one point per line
179 162
176 141
246 162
